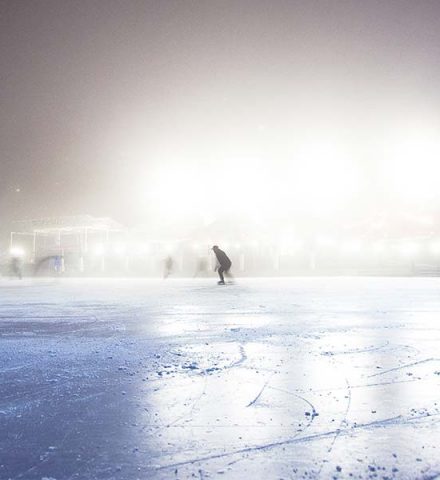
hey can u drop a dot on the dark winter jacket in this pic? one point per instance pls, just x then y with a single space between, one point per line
222 258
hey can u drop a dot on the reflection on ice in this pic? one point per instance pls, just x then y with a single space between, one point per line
208 322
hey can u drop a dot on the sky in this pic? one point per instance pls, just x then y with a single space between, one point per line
110 107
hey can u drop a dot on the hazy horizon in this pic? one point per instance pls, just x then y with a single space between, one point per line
108 107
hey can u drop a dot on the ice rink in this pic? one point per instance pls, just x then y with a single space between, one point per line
331 378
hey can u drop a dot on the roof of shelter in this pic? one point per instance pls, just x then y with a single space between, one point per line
67 224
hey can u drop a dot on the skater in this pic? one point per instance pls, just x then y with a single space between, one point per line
58 264
223 264
47 265
15 267
169 264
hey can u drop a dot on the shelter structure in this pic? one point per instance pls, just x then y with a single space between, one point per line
69 235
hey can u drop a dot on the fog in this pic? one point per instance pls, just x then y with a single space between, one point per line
305 115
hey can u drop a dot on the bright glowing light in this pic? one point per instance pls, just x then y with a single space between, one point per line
296 245
412 164
324 241
351 247
409 249
320 178
325 177
119 248
143 248
17 252
99 249
289 245
174 194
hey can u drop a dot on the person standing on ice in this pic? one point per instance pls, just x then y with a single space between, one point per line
169 265
15 267
223 264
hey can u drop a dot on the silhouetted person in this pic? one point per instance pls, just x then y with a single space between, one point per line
223 263
15 267
169 264
49 263
58 264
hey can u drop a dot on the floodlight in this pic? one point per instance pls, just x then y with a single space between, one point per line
296 245
140 249
325 241
351 247
99 249
119 249
412 164
17 252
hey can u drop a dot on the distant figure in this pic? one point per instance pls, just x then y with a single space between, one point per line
48 264
58 264
15 267
223 264
201 267
169 265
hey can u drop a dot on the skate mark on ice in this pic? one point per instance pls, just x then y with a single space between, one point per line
29 399
36 395
47 325
193 405
44 317
365 385
426 360
242 359
49 454
343 423
252 402
311 417
250 449
214 314
220 369
355 350
398 420
18 367
29 402
405 347
310 404
431 476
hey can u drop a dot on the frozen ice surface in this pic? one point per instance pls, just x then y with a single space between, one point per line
267 379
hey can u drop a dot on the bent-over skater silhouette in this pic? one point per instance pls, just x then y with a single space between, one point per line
223 264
